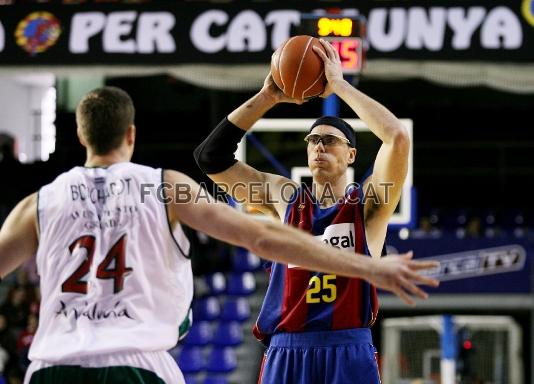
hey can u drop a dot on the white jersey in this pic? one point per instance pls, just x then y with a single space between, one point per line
113 276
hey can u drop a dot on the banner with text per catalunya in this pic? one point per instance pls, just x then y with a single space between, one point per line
182 33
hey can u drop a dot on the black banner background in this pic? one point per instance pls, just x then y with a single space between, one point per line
520 51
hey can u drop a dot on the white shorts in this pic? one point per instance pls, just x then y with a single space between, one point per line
161 363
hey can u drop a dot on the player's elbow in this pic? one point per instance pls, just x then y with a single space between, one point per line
401 139
212 160
202 158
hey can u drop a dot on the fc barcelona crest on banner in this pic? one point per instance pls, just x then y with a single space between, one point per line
37 32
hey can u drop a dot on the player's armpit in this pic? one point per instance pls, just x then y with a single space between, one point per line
18 236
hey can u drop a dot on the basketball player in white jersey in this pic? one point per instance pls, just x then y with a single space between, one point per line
116 282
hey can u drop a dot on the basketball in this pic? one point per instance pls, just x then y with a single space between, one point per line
297 70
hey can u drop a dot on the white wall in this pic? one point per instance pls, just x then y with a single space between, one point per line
21 100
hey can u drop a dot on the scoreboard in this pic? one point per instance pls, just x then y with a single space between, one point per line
346 34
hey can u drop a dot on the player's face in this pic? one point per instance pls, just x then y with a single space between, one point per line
328 154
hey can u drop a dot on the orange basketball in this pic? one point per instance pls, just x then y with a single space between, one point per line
297 70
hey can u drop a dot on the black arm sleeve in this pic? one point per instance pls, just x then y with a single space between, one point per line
216 153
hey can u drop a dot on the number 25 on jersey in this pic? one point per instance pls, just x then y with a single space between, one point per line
321 288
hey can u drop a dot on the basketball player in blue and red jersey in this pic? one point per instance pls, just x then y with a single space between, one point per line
316 325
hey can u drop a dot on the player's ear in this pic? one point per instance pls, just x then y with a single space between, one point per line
352 155
130 134
79 133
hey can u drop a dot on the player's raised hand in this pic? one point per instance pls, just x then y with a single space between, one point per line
271 90
332 65
400 275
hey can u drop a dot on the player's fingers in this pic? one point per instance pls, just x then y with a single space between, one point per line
414 289
404 296
407 255
320 52
421 279
329 48
420 265
336 54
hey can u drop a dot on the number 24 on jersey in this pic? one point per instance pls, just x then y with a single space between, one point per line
75 282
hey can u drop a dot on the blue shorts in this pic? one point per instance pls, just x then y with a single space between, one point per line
330 357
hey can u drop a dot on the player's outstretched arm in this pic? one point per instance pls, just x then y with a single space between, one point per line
274 241
18 236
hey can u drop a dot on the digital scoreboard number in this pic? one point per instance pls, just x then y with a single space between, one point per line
346 34
350 52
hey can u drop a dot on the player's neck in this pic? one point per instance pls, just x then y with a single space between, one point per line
113 157
330 192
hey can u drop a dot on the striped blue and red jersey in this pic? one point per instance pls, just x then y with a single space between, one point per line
299 300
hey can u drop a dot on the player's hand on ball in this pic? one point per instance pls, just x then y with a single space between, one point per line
332 66
271 90
400 275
